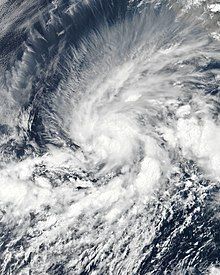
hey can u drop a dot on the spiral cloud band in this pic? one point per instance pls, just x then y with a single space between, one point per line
109 137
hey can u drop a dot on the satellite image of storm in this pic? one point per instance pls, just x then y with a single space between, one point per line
109 137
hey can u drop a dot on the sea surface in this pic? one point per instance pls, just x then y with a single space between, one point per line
109 137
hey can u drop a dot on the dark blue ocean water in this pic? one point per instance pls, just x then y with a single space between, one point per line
52 55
